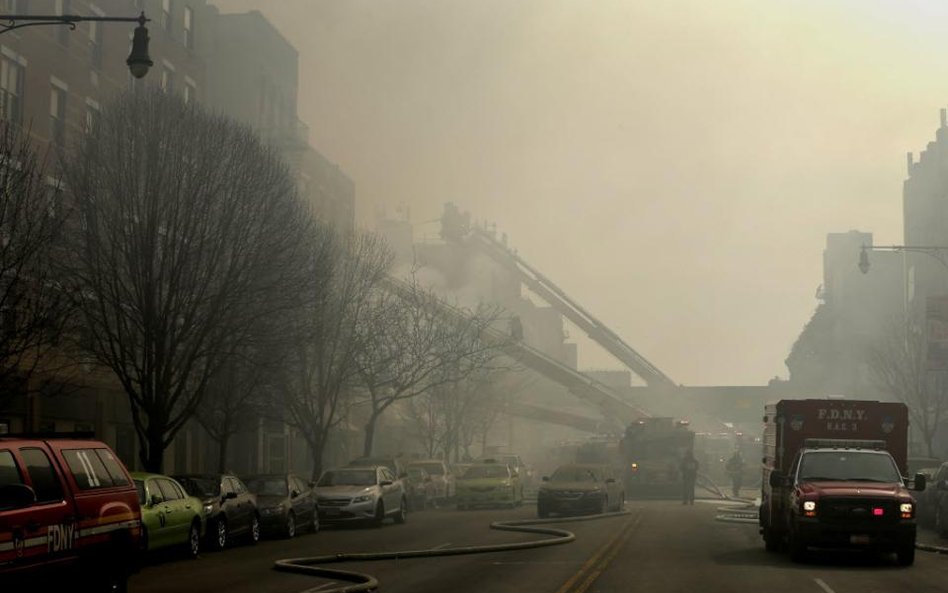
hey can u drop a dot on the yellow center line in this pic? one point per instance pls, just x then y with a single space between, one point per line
626 535
611 545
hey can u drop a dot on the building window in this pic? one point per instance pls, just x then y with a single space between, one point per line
188 27
11 90
95 42
57 115
63 7
167 79
92 115
190 90
166 15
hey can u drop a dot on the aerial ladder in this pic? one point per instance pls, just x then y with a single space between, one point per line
616 412
456 227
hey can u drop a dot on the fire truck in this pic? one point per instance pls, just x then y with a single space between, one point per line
651 451
833 477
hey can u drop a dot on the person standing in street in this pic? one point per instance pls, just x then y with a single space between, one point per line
735 469
689 473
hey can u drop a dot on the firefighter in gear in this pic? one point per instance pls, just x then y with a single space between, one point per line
689 473
735 469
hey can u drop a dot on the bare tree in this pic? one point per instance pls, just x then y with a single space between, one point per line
900 368
189 234
33 308
321 366
415 342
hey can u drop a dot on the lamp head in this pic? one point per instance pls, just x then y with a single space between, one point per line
864 260
138 61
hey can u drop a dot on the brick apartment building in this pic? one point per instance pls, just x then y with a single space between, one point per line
55 81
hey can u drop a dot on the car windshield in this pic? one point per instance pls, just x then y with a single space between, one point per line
435 469
573 474
200 487
348 477
267 486
485 471
857 466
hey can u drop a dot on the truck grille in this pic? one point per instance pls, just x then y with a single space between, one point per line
854 510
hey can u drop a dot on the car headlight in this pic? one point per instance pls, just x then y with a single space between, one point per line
208 508
362 498
809 505
906 509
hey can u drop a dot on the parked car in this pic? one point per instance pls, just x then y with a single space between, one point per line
230 509
286 503
939 500
489 484
361 494
441 477
927 500
69 513
579 488
420 488
515 463
170 516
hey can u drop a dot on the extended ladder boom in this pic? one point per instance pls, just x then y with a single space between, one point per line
552 294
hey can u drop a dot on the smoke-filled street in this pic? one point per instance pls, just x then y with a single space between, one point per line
658 546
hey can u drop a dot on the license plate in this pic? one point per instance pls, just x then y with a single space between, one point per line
859 539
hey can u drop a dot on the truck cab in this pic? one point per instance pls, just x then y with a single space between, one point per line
845 494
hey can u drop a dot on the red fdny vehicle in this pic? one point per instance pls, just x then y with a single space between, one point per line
833 477
69 513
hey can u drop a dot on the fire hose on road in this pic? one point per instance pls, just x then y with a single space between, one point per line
357 582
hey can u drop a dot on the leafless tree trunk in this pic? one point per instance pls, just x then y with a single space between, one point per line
33 306
900 367
322 364
189 234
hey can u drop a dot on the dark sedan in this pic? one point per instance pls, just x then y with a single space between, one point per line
229 507
286 502
579 489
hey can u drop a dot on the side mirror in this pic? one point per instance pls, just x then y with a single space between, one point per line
385 483
546 478
777 479
294 494
919 482
16 496
230 496
156 500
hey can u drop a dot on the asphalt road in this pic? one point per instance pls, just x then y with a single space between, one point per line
659 546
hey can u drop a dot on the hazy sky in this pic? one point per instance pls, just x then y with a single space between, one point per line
674 166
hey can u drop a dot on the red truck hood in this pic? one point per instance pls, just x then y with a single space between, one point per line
877 489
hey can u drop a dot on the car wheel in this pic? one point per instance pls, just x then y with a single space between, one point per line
289 530
314 526
797 547
220 531
194 540
254 529
905 555
379 514
402 512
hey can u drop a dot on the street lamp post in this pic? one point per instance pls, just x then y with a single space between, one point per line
936 251
138 60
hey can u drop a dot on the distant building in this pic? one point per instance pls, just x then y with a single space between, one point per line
856 312
253 76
